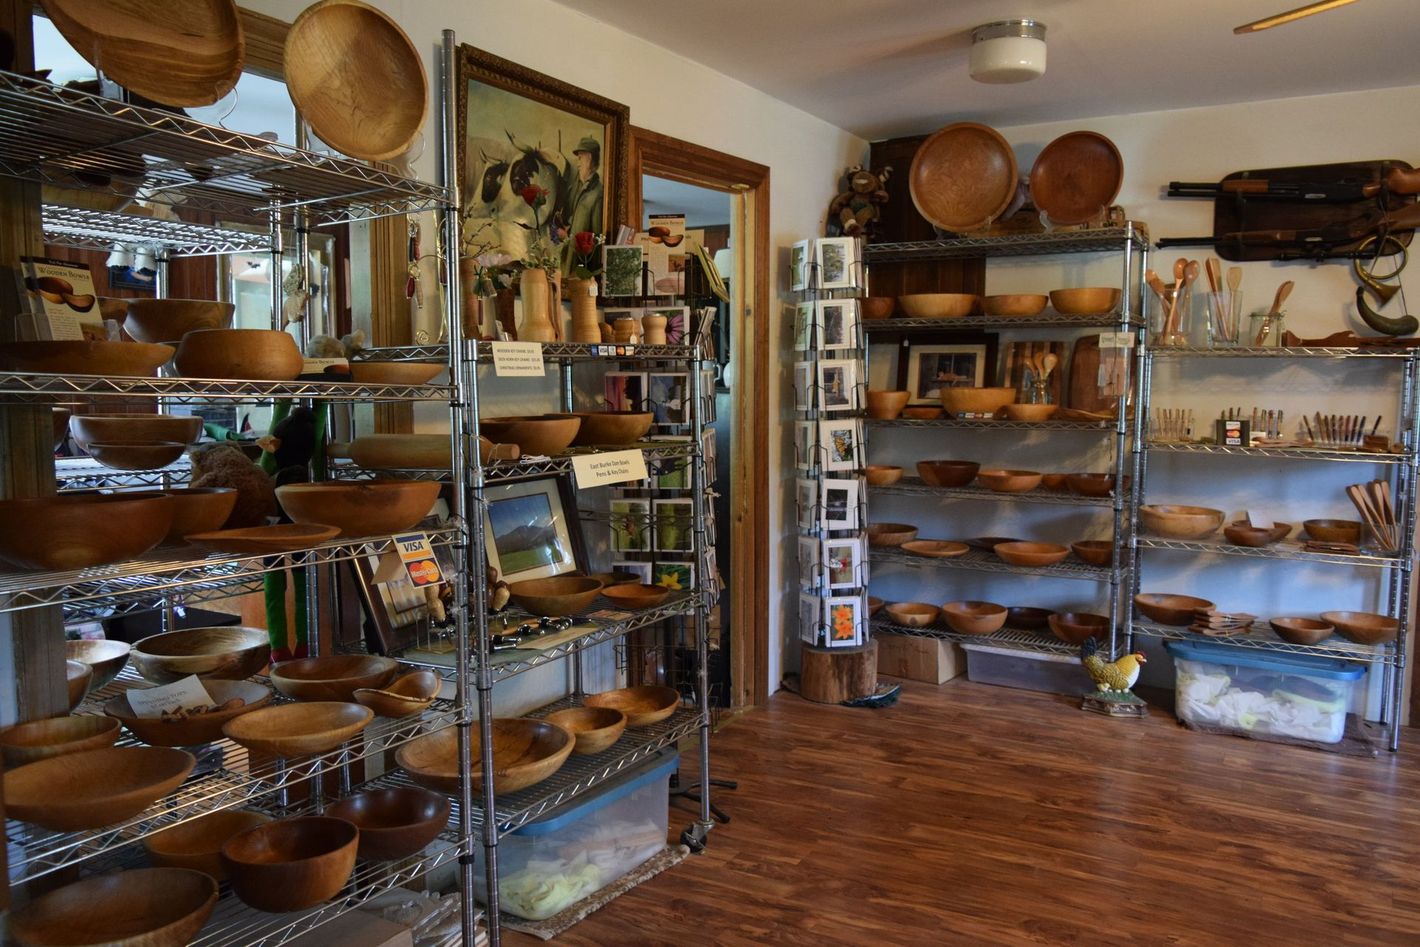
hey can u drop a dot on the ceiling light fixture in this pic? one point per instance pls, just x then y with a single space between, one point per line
1008 51
1290 15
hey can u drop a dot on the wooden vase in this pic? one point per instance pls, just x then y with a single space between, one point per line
472 311
536 294
586 323
653 330
627 331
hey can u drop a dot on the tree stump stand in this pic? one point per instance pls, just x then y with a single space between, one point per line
833 675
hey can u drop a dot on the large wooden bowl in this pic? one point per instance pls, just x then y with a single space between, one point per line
594 728
1097 552
104 656
137 907
197 844
639 595
291 864
1085 301
168 320
1030 554
974 618
1333 531
107 359
913 614
1015 304
612 428
197 728
544 434
299 729
1363 627
555 596
890 534
54 736
231 652
94 788
394 373
1033 413
360 507
1180 522
1009 481
525 752
135 455
134 428
642 705
78 681
1169 609
1301 630
75 531
1076 177
963 177
394 823
397 451
976 400
256 354
947 473
260 540
332 677
882 475
1074 627
886 405
357 78
937 305
199 510
404 696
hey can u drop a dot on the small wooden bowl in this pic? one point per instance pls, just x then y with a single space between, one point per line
1010 481
1180 522
1365 628
525 752
406 695
1015 304
394 823
194 729
976 400
1027 617
545 434
78 681
1074 627
1096 552
231 652
104 656
612 428
882 475
255 354
886 405
1055 481
168 320
75 531
394 373
94 788
919 412
1169 609
937 305
136 907
1085 301
947 473
127 455
1302 631
332 677
1030 412
54 736
197 844
594 728
360 507
1030 554
913 614
1245 534
199 510
291 864
639 595
134 428
555 596
936 548
263 540
875 605
1333 531
890 534
642 705
877 307
974 618
1090 484
126 359
301 729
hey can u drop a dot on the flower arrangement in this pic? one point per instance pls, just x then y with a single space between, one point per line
541 254
582 250
490 271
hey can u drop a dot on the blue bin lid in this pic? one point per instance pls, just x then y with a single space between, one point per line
657 767
1308 665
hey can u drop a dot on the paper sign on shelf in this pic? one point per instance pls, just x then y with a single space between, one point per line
605 469
186 694
1260 520
1116 340
413 558
518 360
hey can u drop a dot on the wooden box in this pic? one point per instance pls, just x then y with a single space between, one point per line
919 659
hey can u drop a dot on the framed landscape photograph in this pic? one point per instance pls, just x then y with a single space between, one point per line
837 259
838 324
838 385
527 530
924 369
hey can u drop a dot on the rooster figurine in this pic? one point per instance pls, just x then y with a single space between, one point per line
1113 680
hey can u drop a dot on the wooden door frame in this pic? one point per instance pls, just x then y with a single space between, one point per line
688 163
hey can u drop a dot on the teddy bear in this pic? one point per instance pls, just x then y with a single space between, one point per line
224 464
855 210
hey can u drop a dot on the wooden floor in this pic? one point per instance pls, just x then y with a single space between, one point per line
970 814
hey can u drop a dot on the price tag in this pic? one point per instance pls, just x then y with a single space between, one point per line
518 360
186 694
1116 340
411 558
601 470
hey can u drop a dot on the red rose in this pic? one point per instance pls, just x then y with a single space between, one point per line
586 241
533 195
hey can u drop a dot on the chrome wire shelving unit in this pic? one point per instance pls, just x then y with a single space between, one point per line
997 424
1289 453
976 560
911 486
1100 240
1017 639
1262 638
47 389
89 229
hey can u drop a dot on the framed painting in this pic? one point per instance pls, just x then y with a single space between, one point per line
924 369
531 530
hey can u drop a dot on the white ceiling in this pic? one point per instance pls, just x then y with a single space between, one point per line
883 68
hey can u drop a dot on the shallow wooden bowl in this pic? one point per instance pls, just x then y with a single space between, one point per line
1074 627
1027 617
199 510
1076 177
1169 609
882 475
256 354
168 320
94 788
612 428
974 618
890 534
525 752
886 405
1085 301
260 540
1015 304
1096 552
555 596
642 705
137 907
78 681
594 728
360 507
1245 534
1055 481
1030 554
197 844
394 823
291 864
877 307
134 428
136 455
976 400
936 548
192 729
104 656
299 729
947 473
75 531
639 595
394 373
332 677
544 434
1090 484
108 359
1333 531
399 451
919 412
1030 412
937 305
1302 631
403 696
1009 481
1363 627
54 736
231 652
913 614
1180 522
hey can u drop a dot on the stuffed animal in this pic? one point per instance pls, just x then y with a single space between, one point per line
224 465
855 210
328 346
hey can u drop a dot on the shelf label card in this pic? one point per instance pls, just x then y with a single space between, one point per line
186 694
518 360
612 467
1260 520
411 558
1116 340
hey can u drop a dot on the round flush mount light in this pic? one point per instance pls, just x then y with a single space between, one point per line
1008 51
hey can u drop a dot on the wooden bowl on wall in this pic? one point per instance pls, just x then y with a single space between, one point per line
937 305
882 475
197 844
254 354
291 864
140 455
555 596
913 614
104 656
136 907
1076 177
394 823
192 729
976 400
78 681
639 595
54 736
360 507
1333 531
1009 481
1074 627
546 434
1096 552
963 176
134 428
75 531
126 359
1030 554
877 307
1365 628
1169 609
1085 301
1245 534
263 540
890 534
974 618
231 652
94 788
594 728
642 705
300 729
612 428
1015 304
198 510
168 320
1180 522
525 752
1302 631
332 677
947 473
886 405
394 373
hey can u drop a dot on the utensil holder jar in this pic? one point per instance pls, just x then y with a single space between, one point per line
1265 331
1224 316
1175 332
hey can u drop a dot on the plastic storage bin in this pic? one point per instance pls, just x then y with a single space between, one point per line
556 861
1007 667
1256 693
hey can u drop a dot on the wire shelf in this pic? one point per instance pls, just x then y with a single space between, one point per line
46 389
1041 642
588 351
1023 244
912 486
1262 638
1245 351
979 561
522 469
992 424
1283 550
90 229
85 473
1046 320
1291 453
403 353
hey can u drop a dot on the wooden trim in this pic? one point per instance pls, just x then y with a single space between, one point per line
677 160
265 43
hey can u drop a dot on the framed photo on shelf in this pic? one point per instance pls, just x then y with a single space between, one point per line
810 549
677 576
806 444
674 525
531 530
841 444
799 266
802 317
806 496
840 503
631 525
668 397
837 259
843 562
923 369
838 385
838 324
803 386
642 569
621 270
625 391
845 620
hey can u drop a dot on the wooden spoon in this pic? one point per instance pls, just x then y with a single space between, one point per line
1215 275
1156 284
1283 292
1048 363
1180 270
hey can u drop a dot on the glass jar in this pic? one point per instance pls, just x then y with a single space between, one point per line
1266 331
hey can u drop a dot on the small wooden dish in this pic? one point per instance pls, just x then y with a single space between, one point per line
1055 481
54 736
525 752
594 728
410 694
1333 531
974 618
1096 552
1245 534
913 614
1030 554
989 543
136 907
94 788
642 705
936 548
332 677
1169 609
1365 628
193 729
1032 413
639 595
1074 627
127 359
1014 304
947 473
555 596
882 475
886 405
360 507
264 540
394 823
938 305
197 844
1010 481
231 652
300 729
877 307
890 534
104 656
198 510
291 864
1302 631
134 428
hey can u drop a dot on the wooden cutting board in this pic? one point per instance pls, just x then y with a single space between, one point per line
1084 377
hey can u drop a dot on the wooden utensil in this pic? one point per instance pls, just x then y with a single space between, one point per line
963 177
1180 272
1283 292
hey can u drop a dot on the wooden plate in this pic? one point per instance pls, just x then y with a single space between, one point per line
963 177
256 540
936 548
1076 177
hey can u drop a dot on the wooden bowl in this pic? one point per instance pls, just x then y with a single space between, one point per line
75 531
1030 554
394 823
555 596
395 373
1074 627
890 534
262 540
192 729
134 428
976 400
886 405
1096 552
1333 531
594 728
104 656
1055 481
1027 617
301 729
1076 177
130 455
405 695
197 844
875 605
877 307
612 428
1090 484
94 788
947 473
1009 481
636 596
401 451
544 434
988 543
1030 412
1245 534
231 652
919 412
963 176
78 680
168 320
974 618
59 420
1169 609
937 305
616 578
198 510
1180 522
107 359
1015 304
255 354
135 907
360 507
1085 301
1363 627
291 864
642 705
54 736
332 677
913 614
882 475
936 548
1302 631
525 752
